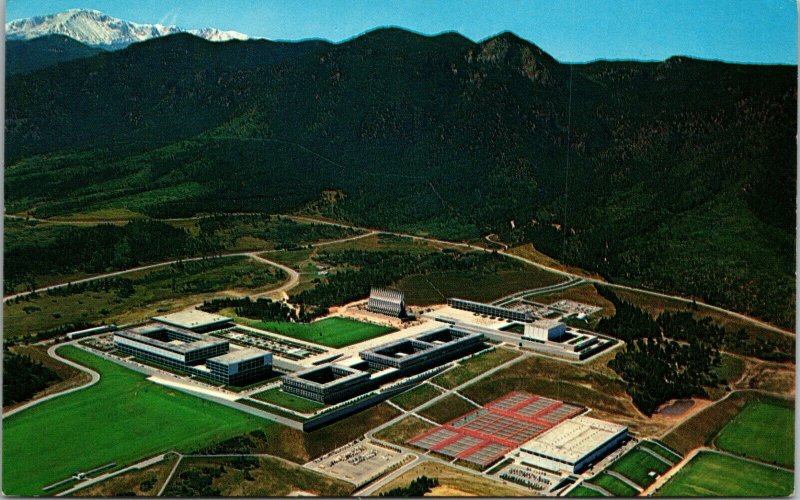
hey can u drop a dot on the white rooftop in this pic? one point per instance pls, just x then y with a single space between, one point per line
191 318
546 323
573 438
239 355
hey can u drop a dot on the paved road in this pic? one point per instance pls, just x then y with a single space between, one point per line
293 275
95 377
525 260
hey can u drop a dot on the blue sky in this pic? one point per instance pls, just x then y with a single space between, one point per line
759 31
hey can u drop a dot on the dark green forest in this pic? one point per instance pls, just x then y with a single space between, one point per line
681 173
23 377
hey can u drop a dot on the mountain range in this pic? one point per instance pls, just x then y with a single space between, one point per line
93 28
676 175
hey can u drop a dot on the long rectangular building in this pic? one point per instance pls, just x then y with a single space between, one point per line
490 310
572 445
195 353
336 382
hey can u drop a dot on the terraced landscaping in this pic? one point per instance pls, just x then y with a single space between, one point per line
613 485
636 465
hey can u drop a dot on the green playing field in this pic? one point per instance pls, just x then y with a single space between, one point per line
123 418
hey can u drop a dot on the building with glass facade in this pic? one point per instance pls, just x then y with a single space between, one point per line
490 310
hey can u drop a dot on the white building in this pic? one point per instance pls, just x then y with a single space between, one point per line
387 301
544 329
572 445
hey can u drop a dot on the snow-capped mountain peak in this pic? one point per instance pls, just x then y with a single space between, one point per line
94 28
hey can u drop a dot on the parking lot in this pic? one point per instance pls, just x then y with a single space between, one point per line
357 462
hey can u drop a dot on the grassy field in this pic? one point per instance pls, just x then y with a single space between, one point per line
120 419
713 474
761 431
702 427
453 482
153 291
447 409
583 491
636 466
669 455
433 288
402 431
280 398
139 482
473 367
730 369
254 477
331 332
613 485
416 396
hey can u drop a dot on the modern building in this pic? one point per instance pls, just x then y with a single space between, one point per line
195 320
328 383
573 445
423 351
334 382
387 301
198 354
490 310
545 329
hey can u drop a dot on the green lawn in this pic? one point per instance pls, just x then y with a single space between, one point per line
447 409
583 491
613 485
714 474
331 332
664 452
416 396
636 466
280 398
761 431
473 367
122 418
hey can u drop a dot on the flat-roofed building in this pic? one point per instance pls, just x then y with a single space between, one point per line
194 353
425 350
572 445
240 366
490 310
329 383
544 329
195 320
387 301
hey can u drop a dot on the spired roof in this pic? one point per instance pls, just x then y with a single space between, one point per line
574 438
192 319
386 294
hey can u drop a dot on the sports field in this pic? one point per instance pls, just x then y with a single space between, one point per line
715 474
280 398
122 418
331 332
762 431
583 491
613 485
636 465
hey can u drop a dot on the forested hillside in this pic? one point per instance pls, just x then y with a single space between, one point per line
681 173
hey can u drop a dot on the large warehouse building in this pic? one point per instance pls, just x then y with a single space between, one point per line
199 354
572 445
387 301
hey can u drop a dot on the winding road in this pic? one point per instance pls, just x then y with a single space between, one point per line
373 231
95 378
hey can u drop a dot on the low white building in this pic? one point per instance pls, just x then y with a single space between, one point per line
572 445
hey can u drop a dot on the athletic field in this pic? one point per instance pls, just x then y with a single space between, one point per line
123 418
715 474
762 431
331 332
